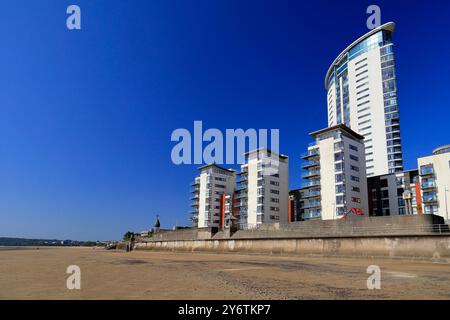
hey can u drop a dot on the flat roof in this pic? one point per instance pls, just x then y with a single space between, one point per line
283 156
341 127
215 165
390 26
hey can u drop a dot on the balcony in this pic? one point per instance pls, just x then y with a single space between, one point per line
310 164
195 190
244 171
310 153
394 150
311 174
310 184
430 199
311 194
428 184
310 204
195 197
196 182
311 214
241 195
242 187
242 181
195 204
426 170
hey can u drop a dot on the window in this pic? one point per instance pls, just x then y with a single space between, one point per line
355 189
364 96
363 103
352 147
274 183
274 191
275 200
354 168
339 199
353 157
340 188
340 177
353 178
384 193
431 209
361 79
356 200
360 61
363 90
340 211
339 156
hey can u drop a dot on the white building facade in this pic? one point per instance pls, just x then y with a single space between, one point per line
207 195
362 94
335 174
263 189
434 171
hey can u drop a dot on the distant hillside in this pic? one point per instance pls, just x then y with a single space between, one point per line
4 241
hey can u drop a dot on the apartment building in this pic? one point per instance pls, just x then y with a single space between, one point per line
434 172
263 188
295 204
335 174
229 212
362 94
386 194
209 191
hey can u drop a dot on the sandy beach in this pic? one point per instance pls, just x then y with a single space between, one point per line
41 274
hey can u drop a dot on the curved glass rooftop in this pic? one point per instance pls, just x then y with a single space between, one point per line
443 149
376 38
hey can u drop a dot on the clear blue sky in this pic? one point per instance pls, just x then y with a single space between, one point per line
86 116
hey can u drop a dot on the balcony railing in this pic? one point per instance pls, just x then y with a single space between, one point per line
311 194
426 171
428 199
310 204
310 163
310 153
310 184
311 215
428 184
311 173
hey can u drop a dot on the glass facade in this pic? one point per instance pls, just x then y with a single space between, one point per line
339 75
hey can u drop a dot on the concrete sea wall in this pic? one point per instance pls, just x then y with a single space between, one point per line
421 247
419 236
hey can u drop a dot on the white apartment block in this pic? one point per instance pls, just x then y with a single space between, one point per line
386 194
209 188
362 94
335 174
434 171
263 191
